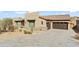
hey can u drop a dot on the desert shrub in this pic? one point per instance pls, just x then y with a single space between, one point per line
27 32
20 30
11 28
76 37
7 23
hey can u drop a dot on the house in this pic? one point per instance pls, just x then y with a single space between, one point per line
57 21
35 22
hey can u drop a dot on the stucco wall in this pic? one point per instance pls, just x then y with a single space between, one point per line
73 22
38 25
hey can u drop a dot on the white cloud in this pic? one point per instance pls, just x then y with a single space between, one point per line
32 11
66 12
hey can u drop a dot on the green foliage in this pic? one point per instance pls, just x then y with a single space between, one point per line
7 23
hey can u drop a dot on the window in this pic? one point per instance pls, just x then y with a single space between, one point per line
42 22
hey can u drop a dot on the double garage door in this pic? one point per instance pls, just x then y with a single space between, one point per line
60 25
57 25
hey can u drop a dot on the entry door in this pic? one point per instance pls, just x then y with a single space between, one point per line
32 24
22 23
48 25
18 24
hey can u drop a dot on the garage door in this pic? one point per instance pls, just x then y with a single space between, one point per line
60 25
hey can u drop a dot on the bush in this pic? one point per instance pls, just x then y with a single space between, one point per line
27 32
77 37
20 30
7 24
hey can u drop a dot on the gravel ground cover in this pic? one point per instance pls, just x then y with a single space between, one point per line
50 38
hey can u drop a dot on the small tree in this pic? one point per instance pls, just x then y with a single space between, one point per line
8 24
0 26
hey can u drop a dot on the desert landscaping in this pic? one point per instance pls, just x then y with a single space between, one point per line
50 38
35 30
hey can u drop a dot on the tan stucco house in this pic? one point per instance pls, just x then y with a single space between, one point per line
34 21
57 21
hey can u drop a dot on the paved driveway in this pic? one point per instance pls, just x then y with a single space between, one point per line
50 38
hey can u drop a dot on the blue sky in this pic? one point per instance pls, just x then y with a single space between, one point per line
71 13
13 14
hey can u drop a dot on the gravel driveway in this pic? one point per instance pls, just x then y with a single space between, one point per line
50 38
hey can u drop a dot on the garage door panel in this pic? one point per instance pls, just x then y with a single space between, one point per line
60 25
